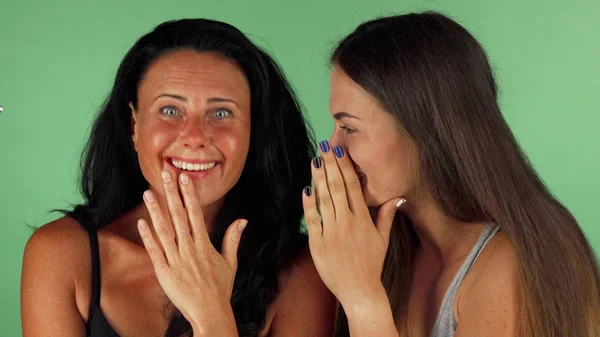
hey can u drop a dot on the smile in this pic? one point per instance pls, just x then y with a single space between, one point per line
182 165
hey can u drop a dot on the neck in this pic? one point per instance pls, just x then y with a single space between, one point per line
440 235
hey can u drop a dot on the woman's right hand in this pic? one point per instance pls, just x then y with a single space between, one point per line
194 275
348 248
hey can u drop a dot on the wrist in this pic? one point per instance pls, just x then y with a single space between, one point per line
371 315
366 302
221 324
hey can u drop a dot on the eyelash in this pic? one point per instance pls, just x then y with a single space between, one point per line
347 130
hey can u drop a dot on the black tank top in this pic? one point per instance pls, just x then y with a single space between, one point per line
97 325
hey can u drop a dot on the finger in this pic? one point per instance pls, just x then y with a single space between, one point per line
321 190
335 182
162 227
311 215
156 254
356 200
385 217
179 217
194 210
231 242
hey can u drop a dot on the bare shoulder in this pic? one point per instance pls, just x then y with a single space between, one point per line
305 307
489 297
58 257
56 266
62 240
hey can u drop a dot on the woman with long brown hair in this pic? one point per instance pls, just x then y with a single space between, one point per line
479 246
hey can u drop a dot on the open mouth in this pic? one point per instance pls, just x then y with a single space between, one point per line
192 167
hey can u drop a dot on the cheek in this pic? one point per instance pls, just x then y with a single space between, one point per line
152 141
367 154
233 142
387 167
153 138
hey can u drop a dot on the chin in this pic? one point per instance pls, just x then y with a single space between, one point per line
376 201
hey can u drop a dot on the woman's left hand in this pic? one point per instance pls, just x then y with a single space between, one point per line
196 278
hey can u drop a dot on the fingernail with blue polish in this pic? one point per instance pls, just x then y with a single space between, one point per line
339 152
324 145
317 162
308 191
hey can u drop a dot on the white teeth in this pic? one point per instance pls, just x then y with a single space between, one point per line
193 167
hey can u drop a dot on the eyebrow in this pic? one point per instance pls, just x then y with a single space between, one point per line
210 100
341 115
222 99
177 97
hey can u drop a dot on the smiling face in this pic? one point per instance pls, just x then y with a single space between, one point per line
193 116
383 154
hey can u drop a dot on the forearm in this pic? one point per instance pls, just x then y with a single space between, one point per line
371 316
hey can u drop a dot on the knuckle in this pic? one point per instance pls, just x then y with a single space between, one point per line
170 187
325 200
187 251
235 239
391 216
179 212
195 211
353 183
153 250
313 220
163 230
336 185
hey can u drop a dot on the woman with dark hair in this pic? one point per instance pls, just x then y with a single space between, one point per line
480 247
195 102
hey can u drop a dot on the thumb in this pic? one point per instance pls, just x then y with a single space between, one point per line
385 217
231 242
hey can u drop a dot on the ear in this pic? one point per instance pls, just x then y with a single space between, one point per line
134 119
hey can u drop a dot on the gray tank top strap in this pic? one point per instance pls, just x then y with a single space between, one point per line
445 324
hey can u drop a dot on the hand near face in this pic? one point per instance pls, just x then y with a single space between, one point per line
196 278
347 247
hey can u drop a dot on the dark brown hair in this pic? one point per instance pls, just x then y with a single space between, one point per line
435 78
280 146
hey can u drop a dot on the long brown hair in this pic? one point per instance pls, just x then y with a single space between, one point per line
435 78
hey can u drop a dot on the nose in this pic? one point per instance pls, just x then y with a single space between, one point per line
195 134
337 137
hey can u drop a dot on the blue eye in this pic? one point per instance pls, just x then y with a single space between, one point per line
169 111
221 113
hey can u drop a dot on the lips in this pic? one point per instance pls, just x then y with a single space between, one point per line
195 168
